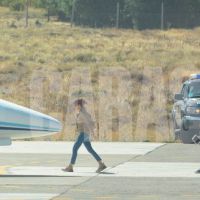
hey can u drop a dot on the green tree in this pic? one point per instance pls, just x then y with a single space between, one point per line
16 5
177 13
140 14
96 13
61 8
182 13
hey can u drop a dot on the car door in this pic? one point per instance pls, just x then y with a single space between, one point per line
179 107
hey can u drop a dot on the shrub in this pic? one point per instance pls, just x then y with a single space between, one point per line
85 57
16 5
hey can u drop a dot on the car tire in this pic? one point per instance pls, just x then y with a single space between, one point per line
186 136
185 124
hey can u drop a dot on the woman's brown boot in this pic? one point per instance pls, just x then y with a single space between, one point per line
101 167
68 169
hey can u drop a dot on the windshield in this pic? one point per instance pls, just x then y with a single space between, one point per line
194 90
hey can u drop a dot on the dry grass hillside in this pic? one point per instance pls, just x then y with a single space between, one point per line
31 58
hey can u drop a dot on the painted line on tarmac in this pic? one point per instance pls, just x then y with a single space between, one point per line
154 170
27 196
49 171
106 148
127 169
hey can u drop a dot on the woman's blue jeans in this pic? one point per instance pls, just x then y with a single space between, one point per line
83 138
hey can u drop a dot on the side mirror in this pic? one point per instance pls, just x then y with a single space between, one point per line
178 97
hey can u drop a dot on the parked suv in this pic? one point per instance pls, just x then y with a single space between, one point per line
186 110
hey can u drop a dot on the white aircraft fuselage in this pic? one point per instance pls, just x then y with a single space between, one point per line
18 122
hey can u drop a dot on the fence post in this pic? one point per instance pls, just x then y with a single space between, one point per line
162 15
27 13
73 12
117 15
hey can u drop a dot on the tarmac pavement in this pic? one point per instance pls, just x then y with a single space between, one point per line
136 171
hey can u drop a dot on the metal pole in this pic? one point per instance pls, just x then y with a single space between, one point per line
162 15
117 16
48 10
73 12
27 14
48 14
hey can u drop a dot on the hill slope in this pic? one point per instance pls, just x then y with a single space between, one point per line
54 47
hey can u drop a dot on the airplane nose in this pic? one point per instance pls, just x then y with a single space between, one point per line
18 122
42 125
47 123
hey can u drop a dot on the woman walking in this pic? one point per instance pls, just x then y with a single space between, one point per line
85 127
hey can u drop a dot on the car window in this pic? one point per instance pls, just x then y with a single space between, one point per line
184 91
194 90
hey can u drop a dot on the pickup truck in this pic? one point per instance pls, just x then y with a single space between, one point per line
186 110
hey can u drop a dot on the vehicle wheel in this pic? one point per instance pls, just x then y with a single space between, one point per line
186 137
185 124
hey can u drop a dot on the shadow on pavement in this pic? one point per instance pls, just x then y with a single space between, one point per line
108 173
